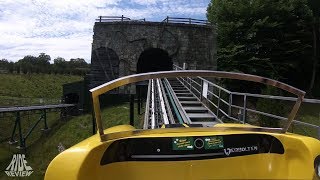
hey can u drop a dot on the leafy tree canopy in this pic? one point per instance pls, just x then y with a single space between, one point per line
268 38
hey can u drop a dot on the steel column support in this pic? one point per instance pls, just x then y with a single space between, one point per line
12 141
44 116
22 142
30 131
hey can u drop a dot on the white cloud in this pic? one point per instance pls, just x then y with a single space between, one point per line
64 27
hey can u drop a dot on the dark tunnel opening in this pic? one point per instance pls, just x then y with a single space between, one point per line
154 59
71 98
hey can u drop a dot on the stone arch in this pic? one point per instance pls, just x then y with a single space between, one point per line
154 59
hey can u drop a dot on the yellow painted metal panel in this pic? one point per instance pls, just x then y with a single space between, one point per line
82 161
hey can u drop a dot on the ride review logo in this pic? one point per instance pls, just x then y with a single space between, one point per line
18 167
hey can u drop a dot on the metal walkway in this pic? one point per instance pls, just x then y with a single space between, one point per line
17 111
193 110
170 102
32 108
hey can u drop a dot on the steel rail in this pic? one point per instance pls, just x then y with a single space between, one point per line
147 111
162 103
172 101
153 121
96 92
182 112
33 108
167 104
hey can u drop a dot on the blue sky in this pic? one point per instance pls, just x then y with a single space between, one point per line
64 27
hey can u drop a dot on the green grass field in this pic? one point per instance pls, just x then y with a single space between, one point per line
19 89
24 90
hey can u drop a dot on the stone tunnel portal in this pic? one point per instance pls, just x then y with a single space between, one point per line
154 59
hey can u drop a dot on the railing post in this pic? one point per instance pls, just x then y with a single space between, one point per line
205 87
167 19
100 18
218 103
132 110
201 91
292 127
230 105
122 18
244 109
139 99
240 115
189 20
190 80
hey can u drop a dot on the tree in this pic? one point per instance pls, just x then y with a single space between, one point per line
268 38
78 62
44 58
43 63
11 67
4 64
60 65
315 7
78 66
27 64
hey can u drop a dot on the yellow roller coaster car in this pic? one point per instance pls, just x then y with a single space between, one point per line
224 151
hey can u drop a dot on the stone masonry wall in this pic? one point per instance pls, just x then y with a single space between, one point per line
193 44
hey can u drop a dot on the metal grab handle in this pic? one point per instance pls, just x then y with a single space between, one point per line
191 73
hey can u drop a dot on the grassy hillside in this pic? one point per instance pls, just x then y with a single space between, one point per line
68 133
18 89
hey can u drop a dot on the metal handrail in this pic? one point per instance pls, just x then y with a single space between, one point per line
166 20
185 20
244 108
96 92
116 18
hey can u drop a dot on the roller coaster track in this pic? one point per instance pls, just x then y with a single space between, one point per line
169 101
